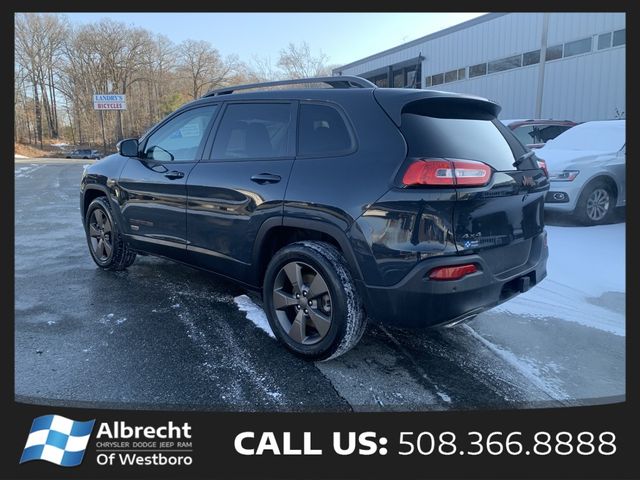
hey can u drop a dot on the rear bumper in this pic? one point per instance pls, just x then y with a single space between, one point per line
417 301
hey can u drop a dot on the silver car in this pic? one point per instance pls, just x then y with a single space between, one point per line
587 171
85 153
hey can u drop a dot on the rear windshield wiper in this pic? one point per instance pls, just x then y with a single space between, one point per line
522 158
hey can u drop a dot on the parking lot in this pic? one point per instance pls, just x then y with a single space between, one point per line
166 336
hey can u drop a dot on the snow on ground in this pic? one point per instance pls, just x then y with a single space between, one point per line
526 366
584 263
27 170
584 285
254 313
17 155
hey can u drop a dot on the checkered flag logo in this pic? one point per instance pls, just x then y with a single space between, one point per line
57 440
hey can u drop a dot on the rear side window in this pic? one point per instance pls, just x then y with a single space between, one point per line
525 134
531 134
254 130
322 131
469 136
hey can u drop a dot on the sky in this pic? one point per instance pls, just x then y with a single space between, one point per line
343 37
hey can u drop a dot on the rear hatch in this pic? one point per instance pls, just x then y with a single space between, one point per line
500 185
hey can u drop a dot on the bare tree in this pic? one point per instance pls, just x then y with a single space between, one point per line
298 62
203 67
60 66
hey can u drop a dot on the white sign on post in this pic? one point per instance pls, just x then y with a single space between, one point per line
110 102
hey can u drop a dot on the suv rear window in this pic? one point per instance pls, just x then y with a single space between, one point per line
470 135
322 131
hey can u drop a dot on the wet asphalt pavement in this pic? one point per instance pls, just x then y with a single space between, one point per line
165 336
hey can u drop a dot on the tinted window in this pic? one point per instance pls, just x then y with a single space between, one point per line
524 134
437 79
322 131
505 64
531 58
604 41
619 37
451 76
462 73
554 52
253 130
463 138
530 134
477 70
577 47
180 137
427 81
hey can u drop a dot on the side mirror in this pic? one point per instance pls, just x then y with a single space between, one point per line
128 147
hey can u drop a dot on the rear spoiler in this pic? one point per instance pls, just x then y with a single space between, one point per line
396 101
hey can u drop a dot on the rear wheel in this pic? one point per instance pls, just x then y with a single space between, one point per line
596 204
311 300
106 245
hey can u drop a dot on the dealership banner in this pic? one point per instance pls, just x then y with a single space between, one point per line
110 102
58 442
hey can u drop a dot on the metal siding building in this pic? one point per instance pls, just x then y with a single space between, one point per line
584 75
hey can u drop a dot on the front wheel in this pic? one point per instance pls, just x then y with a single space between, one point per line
106 245
596 204
311 300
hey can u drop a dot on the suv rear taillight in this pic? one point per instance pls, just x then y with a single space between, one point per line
543 166
441 171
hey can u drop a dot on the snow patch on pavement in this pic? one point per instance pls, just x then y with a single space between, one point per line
584 263
254 313
23 172
534 372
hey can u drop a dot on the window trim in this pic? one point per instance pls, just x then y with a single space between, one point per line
347 122
291 141
142 141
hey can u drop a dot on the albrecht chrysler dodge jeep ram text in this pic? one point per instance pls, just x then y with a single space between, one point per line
409 207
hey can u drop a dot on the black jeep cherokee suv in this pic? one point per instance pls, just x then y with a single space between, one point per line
410 207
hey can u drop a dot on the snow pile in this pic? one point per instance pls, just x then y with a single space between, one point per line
254 313
17 155
584 263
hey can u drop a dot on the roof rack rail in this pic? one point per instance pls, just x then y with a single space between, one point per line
343 81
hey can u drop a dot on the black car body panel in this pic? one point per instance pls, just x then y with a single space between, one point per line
218 213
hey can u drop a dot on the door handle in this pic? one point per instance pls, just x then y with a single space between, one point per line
263 178
174 174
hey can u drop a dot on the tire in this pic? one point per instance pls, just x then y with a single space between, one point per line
107 247
312 337
596 205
